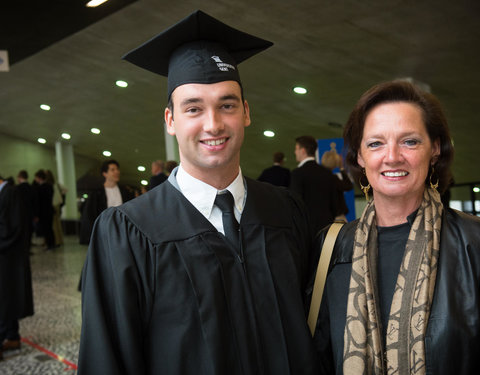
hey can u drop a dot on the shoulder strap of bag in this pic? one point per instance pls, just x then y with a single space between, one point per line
321 276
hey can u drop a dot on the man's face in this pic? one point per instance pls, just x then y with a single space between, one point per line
209 123
112 174
299 153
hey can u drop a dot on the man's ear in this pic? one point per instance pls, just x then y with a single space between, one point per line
247 113
169 121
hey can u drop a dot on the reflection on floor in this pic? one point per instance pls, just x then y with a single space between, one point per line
50 338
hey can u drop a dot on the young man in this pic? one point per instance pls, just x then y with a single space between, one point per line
181 281
111 194
314 183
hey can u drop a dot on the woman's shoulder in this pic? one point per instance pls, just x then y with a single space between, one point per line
343 249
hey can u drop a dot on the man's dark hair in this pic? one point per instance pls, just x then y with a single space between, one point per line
41 174
106 165
308 143
23 174
278 157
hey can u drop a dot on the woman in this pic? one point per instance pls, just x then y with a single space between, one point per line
331 159
403 291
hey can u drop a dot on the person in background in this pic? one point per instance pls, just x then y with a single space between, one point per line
16 296
403 292
28 198
111 194
45 209
332 160
204 274
170 165
59 192
158 176
277 174
314 183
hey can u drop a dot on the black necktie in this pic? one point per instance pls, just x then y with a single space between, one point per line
224 201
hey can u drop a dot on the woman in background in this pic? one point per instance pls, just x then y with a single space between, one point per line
402 293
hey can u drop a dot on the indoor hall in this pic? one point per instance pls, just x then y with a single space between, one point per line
69 102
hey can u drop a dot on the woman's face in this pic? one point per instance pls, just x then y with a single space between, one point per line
396 151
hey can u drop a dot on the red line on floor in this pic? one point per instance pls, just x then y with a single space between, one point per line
71 365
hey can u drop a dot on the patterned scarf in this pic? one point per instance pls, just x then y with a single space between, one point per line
404 351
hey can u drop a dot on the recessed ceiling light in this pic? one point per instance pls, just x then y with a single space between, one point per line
141 168
95 130
45 107
144 182
476 189
268 133
42 140
66 136
106 153
95 3
120 83
300 90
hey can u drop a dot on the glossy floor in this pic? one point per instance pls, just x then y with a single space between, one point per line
50 337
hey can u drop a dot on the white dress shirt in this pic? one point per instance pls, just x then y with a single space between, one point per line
202 196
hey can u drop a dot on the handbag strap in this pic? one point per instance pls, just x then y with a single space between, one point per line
321 276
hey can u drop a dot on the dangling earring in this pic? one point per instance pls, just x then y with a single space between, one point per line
433 185
365 189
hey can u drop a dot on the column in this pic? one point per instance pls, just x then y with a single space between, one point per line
67 177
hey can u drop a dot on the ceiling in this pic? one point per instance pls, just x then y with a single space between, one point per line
69 57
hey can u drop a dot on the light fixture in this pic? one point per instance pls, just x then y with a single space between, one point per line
141 168
269 133
42 140
95 3
66 136
121 83
144 182
476 189
106 153
300 90
45 107
95 130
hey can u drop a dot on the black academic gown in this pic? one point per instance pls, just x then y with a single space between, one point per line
16 296
164 293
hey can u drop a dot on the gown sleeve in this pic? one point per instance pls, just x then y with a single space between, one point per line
116 298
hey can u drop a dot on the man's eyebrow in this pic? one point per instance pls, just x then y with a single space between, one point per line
230 97
190 101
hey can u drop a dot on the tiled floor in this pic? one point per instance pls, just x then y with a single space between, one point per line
51 336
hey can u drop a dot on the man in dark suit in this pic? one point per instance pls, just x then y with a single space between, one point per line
111 194
276 174
16 297
158 176
314 183
28 199
45 209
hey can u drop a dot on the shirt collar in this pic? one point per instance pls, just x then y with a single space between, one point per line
202 195
308 158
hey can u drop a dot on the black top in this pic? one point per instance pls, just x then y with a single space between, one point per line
276 175
391 247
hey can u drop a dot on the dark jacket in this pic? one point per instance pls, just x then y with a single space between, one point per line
452 340
157 180
16 297
95 204
316 185
276 175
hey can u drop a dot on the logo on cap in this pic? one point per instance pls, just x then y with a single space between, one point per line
221 65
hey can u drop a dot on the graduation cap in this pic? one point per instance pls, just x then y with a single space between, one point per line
197 49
